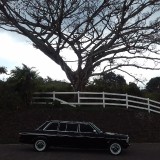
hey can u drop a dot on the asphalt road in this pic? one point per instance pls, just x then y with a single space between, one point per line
143 151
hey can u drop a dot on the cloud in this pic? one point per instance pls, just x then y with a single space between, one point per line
14 51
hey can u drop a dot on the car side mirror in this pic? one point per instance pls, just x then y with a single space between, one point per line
94 131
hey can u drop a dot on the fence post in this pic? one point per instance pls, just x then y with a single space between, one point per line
126 100
148 105
78 97
103 100
54 96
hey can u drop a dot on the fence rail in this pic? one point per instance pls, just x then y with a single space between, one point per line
97 98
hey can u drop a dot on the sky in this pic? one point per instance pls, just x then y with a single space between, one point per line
16 50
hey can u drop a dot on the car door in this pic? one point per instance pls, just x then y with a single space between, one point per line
72 134
51 131
89 137
68 133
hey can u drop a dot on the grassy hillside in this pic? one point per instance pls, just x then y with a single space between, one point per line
139 125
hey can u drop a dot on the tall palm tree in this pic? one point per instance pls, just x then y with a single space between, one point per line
24 80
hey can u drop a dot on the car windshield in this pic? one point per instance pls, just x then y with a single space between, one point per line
42 126
97 129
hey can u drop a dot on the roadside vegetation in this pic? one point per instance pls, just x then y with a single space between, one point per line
16 91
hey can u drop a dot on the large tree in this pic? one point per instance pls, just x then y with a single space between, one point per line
108 33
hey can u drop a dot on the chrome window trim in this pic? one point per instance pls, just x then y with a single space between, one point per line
96 128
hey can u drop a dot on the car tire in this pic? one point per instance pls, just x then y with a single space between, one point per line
40 145
115 148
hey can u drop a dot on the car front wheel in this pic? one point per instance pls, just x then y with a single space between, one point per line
115 148
40 145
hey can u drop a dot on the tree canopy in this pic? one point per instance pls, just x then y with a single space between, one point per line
107 33
153 85
3 70
109 82
17 90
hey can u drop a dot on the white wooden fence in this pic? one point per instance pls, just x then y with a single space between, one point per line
97 98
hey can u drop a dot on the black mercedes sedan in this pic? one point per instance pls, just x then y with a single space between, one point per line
74 134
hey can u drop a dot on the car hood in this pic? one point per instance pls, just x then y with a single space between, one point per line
29 131
116 135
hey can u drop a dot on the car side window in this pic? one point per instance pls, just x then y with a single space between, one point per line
52 127
71 127
85 128
62 127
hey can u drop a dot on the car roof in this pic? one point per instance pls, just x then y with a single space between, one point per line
64 121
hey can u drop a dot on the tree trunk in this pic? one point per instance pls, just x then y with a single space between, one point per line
78 80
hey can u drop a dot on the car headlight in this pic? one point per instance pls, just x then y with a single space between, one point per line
127 140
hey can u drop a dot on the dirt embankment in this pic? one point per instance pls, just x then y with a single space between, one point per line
139 125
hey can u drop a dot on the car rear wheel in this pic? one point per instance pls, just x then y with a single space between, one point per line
115 148
40 145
